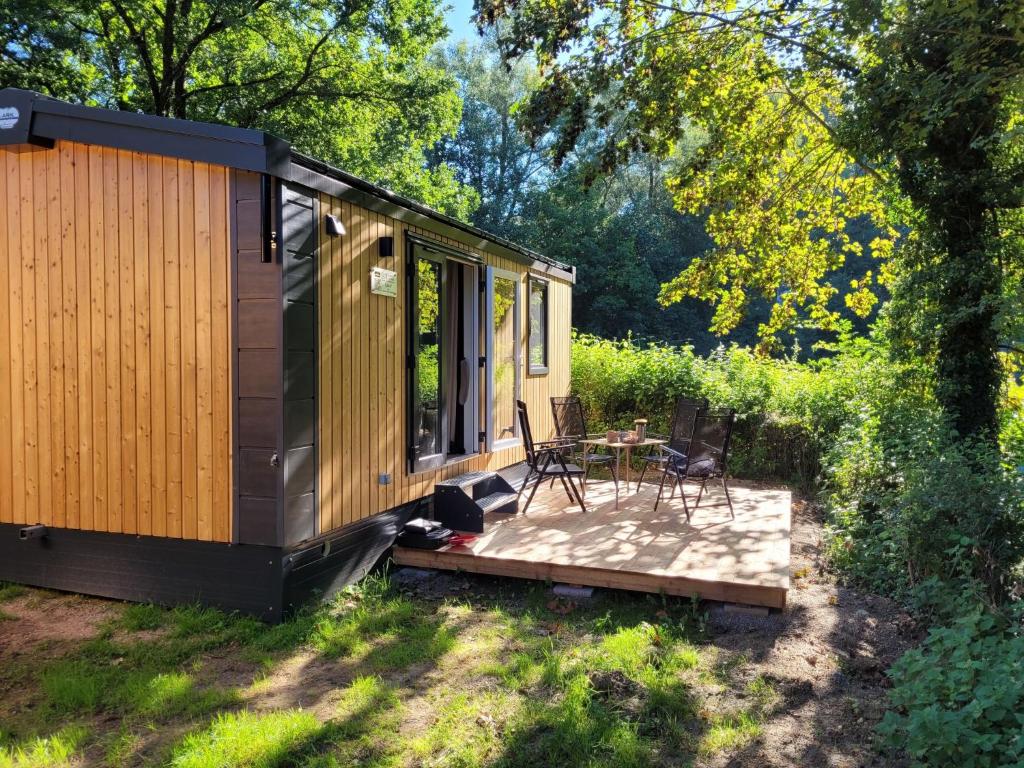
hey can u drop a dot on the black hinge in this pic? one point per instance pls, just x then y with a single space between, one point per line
482 437
483 286
483 361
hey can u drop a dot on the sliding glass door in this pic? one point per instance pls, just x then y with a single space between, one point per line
444 332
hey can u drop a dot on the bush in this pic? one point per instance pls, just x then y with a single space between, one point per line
908 502
959 699
787 412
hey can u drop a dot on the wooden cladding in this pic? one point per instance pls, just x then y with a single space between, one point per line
361 371
115 348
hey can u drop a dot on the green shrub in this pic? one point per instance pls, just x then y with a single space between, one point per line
908 502
787 412
959 699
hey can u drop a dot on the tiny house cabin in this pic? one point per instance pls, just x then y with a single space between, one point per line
229 372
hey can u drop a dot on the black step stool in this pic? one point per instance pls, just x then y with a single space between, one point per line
460 503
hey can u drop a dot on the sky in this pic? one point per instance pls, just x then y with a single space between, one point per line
459 14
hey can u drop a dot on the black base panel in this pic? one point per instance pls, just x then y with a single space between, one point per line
343 557
245 578
262 581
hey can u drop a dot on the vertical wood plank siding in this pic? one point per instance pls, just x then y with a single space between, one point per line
115 349
362 374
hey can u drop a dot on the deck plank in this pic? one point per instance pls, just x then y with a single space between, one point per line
745 560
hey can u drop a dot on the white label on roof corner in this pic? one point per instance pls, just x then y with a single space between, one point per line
8 117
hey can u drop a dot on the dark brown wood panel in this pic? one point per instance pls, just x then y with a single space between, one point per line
259 391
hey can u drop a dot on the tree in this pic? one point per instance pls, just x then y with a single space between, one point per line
348 81
489 151
809 116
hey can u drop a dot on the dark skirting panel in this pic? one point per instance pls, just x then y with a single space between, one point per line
342 557
268 582
243 578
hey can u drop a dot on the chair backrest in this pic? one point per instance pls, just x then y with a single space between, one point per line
712 433
684 420
524 425
568 415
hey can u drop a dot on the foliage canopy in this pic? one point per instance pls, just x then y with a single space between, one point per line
796 118
349 82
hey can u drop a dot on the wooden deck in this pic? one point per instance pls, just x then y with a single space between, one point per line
745 560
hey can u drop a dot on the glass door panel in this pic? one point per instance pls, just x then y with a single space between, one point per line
428 413
503 341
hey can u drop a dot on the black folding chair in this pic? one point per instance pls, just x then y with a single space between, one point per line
546 459
570 423
686 412
706 459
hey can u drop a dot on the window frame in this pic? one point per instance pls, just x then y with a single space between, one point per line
538 369
435 460
422 247
494 444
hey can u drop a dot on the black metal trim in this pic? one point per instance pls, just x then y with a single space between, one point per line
52 119
320 567
233 271
438 247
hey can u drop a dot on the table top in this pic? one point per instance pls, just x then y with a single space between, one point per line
604 441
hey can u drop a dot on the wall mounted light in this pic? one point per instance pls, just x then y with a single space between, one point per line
386 247
334 226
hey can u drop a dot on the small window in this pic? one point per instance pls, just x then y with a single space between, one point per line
538 341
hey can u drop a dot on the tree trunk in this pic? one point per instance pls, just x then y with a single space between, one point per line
968 365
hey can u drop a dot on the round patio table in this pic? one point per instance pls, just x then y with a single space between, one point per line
618 447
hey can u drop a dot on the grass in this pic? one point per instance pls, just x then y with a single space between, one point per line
729 732
54 751
505 680
10 592
248 740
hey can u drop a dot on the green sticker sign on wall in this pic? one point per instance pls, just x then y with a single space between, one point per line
384 282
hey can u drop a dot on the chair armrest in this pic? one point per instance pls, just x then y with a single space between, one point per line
673 453
553 450
559 441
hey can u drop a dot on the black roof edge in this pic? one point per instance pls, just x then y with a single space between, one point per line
42 119
30 117
326 178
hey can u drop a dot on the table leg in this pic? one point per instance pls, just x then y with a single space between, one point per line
583 480
618 455
629 450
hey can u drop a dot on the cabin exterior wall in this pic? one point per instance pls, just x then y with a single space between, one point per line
116 402
362 370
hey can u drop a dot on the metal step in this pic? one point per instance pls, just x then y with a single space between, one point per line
468 480
495 501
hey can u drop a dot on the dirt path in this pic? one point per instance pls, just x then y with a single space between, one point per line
827 654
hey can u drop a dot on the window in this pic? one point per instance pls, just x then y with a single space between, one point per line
503 341
538 340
